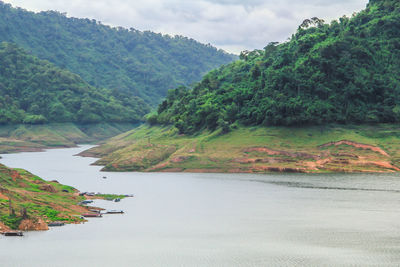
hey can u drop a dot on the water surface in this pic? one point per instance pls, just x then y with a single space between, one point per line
215 219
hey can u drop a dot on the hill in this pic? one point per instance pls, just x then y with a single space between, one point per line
313 104
344 72
145 64
34 91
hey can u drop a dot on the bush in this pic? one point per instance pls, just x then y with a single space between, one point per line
152 118
34 119
11 221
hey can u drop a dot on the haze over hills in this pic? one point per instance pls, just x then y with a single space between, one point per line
145 64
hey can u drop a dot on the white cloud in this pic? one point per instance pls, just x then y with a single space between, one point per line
233 25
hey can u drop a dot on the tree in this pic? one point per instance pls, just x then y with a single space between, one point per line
346 72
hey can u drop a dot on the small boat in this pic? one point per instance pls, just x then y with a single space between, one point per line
85 202
131 195
117 200
52 224
115 212
104 177
95 211
13 233
92 215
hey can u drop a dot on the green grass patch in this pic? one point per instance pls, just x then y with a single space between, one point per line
145 148
111 196
11 221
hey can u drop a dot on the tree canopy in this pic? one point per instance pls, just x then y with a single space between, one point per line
347 71
35 91
144 64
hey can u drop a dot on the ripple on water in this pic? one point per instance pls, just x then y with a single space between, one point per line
220 220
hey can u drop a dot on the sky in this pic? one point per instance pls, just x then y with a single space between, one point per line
233 25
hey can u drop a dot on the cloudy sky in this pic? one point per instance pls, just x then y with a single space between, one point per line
233 25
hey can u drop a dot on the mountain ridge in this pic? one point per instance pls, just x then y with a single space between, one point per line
313 104
145 64
34 91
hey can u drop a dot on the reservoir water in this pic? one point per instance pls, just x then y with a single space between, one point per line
182 219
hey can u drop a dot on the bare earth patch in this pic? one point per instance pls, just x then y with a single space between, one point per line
33 225
260 149
357 145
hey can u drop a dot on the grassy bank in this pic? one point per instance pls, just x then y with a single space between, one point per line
361 148
27 202
34 201
16 138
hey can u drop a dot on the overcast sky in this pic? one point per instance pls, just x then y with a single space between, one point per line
233 25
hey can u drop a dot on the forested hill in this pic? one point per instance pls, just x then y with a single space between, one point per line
145 64
344 72
35 91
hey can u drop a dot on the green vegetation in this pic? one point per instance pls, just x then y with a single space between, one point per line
30 201
329 148
24 196
129 62
21 137
11 221
45 211
345 72
34 91
110 196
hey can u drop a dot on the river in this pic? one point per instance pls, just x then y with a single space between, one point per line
182 219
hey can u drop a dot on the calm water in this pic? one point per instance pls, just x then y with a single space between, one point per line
215 219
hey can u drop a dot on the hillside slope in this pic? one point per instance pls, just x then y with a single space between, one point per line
29 203
35 202
35 91
344 72
318 149
292 107
145 64
26 138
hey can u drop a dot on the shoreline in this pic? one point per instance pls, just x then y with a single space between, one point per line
251 164
30 203
40 224
335 149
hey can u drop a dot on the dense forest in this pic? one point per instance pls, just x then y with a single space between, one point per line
145 64
347 71
35 91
